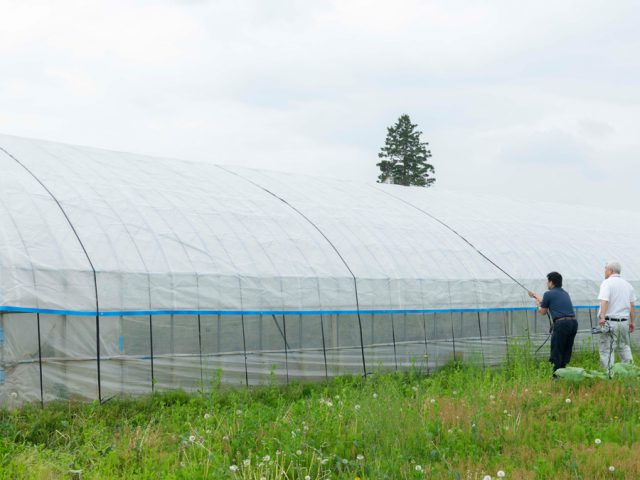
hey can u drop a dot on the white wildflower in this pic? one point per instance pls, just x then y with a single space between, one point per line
207 416
266 458
418 468
375 395
598 441
233 468
192 438
298 452
486 477
324 461
612 468
246 462
307 477
433 400
568 400
357 407
345 461
500 474
360 457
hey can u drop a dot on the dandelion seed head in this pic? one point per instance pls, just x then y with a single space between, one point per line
246 462
345 461
324 461
233 468
298 452
293 434
192 438
500 473
375 395
329 403
207 416
486 477
357 407
612 468
598 441
433 400
307 477
415 389
450 431
418 468
266 458
360 457
505 411
492 397
568 400
225 438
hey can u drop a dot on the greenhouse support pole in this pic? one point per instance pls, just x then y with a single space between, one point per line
453 337
324 349
481 342
244 347
393 338
506 339
40 361
593 345
200 350
153 378
286 346
426 349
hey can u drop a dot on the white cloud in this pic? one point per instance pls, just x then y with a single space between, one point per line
503 91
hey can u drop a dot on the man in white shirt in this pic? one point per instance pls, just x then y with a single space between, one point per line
617 316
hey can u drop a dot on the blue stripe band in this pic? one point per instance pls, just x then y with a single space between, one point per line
138 313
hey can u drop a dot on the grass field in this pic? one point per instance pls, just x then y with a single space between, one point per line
462 422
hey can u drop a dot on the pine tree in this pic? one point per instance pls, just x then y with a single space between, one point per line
403 159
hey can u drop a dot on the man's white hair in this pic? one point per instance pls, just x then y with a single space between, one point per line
615 267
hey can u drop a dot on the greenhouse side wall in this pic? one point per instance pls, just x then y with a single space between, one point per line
147 353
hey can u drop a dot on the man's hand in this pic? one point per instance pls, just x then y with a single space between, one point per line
602 320
632 327
534 295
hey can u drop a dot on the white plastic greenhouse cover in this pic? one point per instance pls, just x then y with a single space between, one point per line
165 235
88 234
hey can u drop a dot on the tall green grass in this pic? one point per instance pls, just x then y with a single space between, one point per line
462 422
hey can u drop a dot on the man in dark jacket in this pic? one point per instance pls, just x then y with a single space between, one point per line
557 302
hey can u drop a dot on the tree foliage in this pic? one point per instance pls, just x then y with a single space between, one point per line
404 158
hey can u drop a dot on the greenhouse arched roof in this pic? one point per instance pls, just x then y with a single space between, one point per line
87 230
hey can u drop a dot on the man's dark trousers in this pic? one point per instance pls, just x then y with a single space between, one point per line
564 332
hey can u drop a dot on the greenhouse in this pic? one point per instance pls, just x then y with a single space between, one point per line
123 274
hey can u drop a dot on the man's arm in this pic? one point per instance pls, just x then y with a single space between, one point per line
632 317
538 298
604 305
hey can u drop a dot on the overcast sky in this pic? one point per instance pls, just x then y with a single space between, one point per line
525 99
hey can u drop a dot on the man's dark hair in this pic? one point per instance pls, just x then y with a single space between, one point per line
555 278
